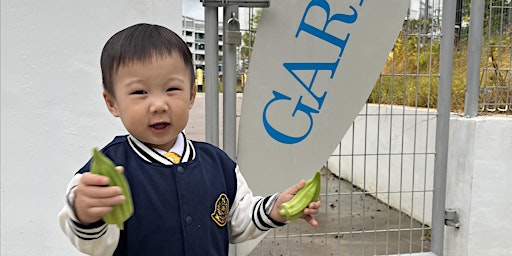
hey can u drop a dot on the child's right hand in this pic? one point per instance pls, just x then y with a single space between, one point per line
94 198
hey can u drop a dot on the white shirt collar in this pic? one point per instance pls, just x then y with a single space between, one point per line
182 145
178 147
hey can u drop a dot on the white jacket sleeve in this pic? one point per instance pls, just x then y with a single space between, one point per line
94 239
249 215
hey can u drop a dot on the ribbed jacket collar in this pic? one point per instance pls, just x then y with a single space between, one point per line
151 155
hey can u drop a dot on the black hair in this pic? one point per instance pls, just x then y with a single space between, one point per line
140 43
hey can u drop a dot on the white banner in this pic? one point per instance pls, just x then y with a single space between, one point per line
313 67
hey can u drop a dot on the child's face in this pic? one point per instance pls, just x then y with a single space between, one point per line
153 99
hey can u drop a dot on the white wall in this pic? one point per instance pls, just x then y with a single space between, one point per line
479 172
479 186
398 156
52 113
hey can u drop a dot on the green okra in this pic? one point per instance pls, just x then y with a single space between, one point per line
294 208
103 166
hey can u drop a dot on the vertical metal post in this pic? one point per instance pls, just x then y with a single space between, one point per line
229 88
211 72
476 29
443 125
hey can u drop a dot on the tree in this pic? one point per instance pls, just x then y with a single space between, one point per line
497 14
249 37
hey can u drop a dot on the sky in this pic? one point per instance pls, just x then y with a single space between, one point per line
193 8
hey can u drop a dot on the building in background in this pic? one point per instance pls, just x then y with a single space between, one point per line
193 35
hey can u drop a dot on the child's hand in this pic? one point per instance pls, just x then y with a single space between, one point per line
94 198
286 196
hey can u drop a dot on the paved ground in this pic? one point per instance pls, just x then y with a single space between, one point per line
351 223
196 126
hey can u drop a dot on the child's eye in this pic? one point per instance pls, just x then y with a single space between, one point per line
172 89
139 92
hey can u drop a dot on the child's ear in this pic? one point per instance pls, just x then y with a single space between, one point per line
111 103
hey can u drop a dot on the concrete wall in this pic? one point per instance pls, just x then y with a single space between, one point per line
52 112
370 156
479 182
479 186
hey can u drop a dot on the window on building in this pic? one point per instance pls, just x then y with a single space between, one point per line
199 57
199 35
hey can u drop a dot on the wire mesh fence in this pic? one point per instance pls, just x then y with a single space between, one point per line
496 83
377 190
377 185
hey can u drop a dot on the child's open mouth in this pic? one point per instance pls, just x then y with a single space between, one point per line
159 126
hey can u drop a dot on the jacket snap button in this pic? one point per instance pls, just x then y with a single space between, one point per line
188 219
181 169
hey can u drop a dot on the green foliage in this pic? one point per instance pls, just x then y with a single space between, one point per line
409 76
249 36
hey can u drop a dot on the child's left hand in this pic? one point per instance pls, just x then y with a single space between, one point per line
286 196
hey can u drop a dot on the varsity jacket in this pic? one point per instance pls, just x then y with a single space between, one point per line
195 207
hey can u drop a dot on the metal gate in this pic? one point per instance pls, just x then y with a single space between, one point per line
383 188
377 188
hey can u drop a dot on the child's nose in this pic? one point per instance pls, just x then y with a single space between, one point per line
158 105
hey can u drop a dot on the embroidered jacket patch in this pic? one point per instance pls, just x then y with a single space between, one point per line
221 211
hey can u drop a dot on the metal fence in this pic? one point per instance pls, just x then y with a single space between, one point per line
496 81
377 187
384 186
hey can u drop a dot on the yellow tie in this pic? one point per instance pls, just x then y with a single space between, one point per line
173 156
